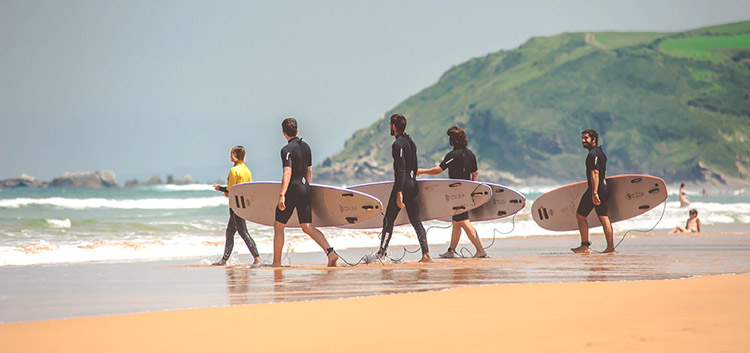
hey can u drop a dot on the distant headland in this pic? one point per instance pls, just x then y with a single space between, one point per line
91 180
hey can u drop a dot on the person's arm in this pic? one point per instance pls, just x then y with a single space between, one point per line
698 222
475 176
399 173
308 175
595 187
284 186
432 171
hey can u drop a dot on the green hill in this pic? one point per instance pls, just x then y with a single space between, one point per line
675 105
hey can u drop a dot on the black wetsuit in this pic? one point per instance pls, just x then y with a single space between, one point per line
297 155
237 224
596 160
461 163
404 153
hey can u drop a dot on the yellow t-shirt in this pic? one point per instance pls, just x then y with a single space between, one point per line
239 174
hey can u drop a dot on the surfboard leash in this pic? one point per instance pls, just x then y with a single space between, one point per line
663 211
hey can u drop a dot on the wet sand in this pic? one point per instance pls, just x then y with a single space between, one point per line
47 292
707 314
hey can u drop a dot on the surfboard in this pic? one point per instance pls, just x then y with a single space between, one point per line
505 202
437 198
630 196
331 206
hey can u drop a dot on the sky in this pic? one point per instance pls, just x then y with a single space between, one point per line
168 87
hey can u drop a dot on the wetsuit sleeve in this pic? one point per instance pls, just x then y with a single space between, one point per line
286 157
399 166
308 155
447 160
223 189
472 165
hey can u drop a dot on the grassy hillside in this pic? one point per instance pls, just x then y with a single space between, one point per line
670 104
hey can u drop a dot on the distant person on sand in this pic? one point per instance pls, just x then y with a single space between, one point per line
404 192
238 174
461 164
596 195
693 224
296 161
684 201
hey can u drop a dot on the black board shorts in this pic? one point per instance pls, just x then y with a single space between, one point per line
461 216
586 204
297 197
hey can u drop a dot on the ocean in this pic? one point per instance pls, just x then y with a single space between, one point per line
57 226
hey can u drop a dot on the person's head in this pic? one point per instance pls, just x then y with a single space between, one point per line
589 138
693 213
238 154
682 185
457 137
289 126
398 124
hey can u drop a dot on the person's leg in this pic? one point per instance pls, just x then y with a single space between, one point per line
320 239
411 203
241 227
455 236
471 232
278 243
677 229
228 242
608 234
391 212
584 208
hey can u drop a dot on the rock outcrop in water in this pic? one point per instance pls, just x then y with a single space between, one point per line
93 180
23 180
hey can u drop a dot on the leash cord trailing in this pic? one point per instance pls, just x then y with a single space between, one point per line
663 211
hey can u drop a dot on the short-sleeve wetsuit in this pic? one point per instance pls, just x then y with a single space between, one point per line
297 155
461 163
596 160
404 153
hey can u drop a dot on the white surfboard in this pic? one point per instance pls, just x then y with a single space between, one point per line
505 202
629 196
331 206
437 198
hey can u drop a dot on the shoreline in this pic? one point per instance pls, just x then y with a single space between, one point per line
660 315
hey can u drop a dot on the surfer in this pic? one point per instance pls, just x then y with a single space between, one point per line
296 160
461 164
237 174
596 195
404 192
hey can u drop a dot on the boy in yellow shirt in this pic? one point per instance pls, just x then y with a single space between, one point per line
238 174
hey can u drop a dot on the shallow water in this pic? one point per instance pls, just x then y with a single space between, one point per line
42 292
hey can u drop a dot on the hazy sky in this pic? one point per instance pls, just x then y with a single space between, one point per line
147 87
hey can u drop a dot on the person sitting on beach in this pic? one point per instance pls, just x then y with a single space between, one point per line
296 160
461 164
693 224
684 201
238 174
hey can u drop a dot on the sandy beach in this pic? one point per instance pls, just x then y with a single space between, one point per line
661 292
707 314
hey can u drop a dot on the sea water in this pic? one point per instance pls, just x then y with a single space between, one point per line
60 225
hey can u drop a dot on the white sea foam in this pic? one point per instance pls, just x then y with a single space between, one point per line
59 223
146 204
190 187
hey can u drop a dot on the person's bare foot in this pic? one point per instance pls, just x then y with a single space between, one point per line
448 254
221 262
583 249
425 258
480 254
276 264
332 258
609 250
256 260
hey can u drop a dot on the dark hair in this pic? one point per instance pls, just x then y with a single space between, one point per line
238 152
693 211
289 125
682 185
592 133
457 137
399 121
